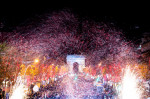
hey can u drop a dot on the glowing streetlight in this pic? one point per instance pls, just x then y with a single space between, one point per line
36 60
100 64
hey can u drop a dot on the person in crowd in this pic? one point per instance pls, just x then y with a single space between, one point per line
149 86
0 93
100 89
110 92
7 95
3 94
31 90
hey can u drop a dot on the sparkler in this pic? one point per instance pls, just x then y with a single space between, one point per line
130 86
19 90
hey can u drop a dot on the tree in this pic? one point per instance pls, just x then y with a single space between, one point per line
9 67
143 71
30 70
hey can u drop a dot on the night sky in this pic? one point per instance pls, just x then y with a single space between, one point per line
133 21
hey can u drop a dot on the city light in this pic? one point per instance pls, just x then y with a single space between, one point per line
36 60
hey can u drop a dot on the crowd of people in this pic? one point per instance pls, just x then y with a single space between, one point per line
53 91
4 94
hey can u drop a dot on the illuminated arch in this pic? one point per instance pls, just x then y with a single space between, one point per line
79 59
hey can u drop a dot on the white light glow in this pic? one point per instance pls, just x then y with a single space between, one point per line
36 60
130 88
19 90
